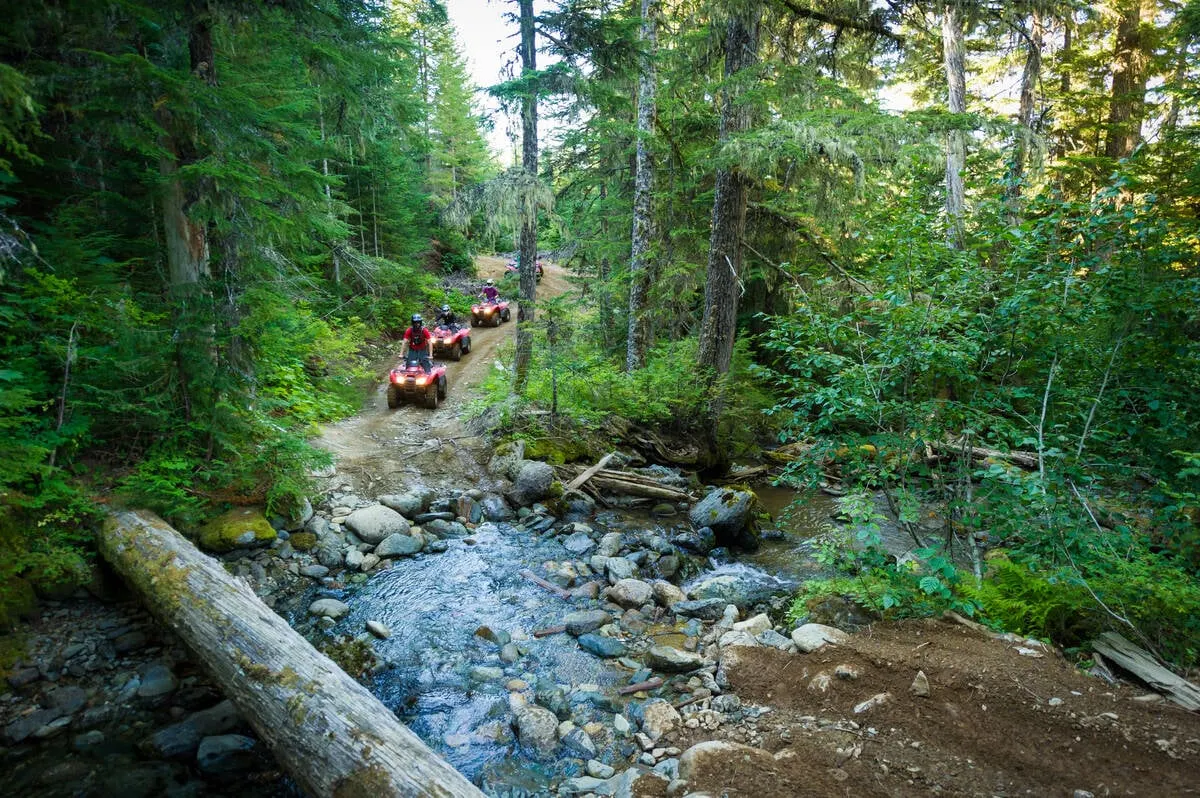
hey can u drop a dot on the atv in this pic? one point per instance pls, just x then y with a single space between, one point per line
410 383
490 313
451 343
512 267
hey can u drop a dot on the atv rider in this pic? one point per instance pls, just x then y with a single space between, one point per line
490 293
446 318
416 344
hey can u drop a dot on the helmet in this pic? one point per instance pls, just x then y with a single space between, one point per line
491 281
445 308
416 318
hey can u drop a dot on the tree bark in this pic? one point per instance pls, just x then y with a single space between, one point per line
641 266
1025 132
325 729
1128 83
722 287
529 163
953 50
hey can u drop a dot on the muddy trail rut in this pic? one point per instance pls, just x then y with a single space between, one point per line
380 450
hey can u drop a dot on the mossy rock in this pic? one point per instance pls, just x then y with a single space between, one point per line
556 490
556 450
303 541
240 528
17 600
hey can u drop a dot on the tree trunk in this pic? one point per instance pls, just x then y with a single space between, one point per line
722 287
529 163
641 267
1025 132
953 48
325 729
1128 83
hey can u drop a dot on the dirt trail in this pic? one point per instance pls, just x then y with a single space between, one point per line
380 450
996 722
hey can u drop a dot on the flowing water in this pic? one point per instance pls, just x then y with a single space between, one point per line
449 684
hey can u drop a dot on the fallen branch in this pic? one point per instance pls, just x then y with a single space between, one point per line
1142 665
542 583
649 684
549 630
586 475
1026 460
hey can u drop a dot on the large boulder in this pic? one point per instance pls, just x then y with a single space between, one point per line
241 527
743 587
812 636
375 523
410 503
666 593
534 482
631 593
730 514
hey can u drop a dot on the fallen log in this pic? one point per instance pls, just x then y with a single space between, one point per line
641 489
649 684
1026 460
1139 662
324 728
586 475
565 595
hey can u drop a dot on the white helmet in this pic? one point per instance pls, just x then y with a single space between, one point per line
491 281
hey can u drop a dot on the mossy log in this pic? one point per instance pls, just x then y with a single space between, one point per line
325 729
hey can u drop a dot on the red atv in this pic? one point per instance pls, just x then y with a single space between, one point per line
490 313
410 383
451 343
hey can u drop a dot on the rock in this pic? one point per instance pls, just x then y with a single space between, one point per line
812 636
621 725
369 561
578 543
375 523
578 742
773 639
663 510
26 725
66 700
666 594
509 653
446 529
598 770
53 728
727 703
673 660
618 568
582 785
21 677
730 514
743 587
755 626
379 630
303 541
709 609
328 608
329 552
226 753
658 718
534 482
631 593
610 544
706 757
409 504
314 571
182 738
847 673
507 460
877 700
537 729
701 541
738 637
399 545
920 685
584 621
241 527
354 559
317 526
602 646
157 681
89 739
495 508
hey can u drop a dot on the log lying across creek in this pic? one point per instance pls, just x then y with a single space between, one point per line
324 728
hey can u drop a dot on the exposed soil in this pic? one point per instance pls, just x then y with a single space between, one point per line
380 450
995 723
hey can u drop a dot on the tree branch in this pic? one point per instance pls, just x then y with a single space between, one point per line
868 25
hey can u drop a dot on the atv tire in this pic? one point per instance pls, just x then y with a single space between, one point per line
441 388
393 397
505 315
431 397
474 320
466 344
456 352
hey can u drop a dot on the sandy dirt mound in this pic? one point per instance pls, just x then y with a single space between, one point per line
381 450
996 722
